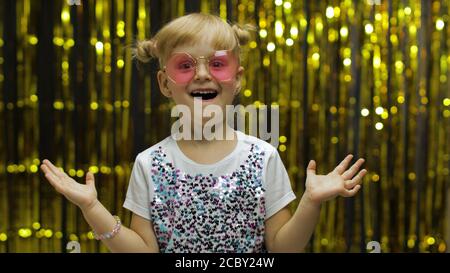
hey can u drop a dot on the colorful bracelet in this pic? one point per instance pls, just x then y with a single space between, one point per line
111 234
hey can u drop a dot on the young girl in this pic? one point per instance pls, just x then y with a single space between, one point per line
207 195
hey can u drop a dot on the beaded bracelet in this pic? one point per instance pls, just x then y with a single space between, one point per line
111 234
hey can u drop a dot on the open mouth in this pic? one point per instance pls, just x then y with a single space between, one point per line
204 94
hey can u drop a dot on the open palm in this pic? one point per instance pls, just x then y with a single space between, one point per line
340 181
82 195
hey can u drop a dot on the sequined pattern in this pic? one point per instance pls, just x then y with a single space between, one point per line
206 213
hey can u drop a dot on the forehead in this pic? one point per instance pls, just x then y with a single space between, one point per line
200 48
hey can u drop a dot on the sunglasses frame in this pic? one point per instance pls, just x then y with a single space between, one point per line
196 61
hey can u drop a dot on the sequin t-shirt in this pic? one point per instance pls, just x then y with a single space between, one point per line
218 207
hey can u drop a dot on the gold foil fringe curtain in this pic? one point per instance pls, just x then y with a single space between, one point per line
364 77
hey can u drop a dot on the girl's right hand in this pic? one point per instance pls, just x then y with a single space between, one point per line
82 195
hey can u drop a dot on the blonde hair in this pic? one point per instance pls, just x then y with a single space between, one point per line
189 29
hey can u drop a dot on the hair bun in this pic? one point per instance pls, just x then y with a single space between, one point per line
243 33
145 50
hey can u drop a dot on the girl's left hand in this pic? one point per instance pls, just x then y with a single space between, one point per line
340 181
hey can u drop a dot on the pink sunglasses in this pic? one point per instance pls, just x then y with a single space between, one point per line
181 67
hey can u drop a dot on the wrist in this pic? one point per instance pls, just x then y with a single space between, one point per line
90 206
309 200
111 234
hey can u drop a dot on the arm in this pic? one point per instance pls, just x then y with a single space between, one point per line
291 234
140 238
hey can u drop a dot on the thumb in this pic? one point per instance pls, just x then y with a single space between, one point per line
90 181
311 169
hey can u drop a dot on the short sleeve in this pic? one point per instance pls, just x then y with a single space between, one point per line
138 197
277 184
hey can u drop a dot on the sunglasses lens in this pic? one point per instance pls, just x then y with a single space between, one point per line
180 68
223 65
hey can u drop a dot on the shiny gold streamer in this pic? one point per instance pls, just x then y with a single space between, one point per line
348 77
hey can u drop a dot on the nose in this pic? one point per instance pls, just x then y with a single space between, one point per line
202 70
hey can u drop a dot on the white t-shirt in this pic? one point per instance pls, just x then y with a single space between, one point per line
218 207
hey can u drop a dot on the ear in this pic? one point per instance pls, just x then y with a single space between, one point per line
239 75
162 81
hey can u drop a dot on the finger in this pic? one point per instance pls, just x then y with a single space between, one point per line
90 181
45 169
311 169
52 178
57 172
348 174
352 192
47 163
356 180
343 165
